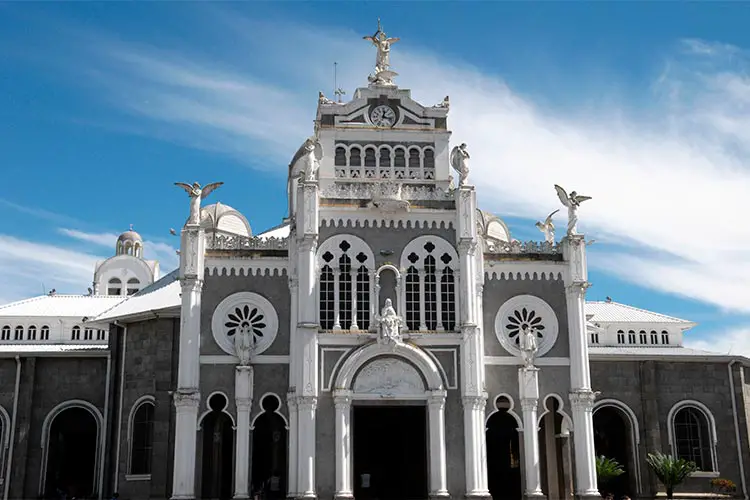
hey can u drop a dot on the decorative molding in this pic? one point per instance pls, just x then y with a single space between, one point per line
357 218
515 361
366 189
235 242
510 411
567 422
328 382
522 271
516 247
450 383
388 378
583 399
230 359
422 339
245 310
239 266
184 399
275 412
526 311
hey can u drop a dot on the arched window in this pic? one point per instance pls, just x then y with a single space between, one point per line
44 334
631 337
138 250
19 333
620 337
664 337
643 337
101 335
339 160
88 334
400 158
133 286
141 438
114 287
345 266
414 159
76 333
5 333
370 159
430 298
692 435
355 157
385 157
31 333
429 164
654 337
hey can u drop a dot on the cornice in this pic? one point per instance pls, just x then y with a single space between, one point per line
247 266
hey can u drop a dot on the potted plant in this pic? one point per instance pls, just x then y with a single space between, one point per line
606 470
722 486
670 471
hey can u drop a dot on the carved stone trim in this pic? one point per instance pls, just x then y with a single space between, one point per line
389 377
436 399
235 242
522 312
243 403
368 190
583 399
475 402
184 399
188 285
529 404
519 247
245 310
307 402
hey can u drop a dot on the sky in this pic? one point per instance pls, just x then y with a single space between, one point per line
645 106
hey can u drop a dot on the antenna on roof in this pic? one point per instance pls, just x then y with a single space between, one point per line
336 90
44 289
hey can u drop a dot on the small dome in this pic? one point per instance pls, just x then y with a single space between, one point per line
491 228
220 218
130 243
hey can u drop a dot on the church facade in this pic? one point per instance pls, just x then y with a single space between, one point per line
389 340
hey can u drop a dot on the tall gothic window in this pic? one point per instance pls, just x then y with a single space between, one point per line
345 266
692 439
430 284
142 438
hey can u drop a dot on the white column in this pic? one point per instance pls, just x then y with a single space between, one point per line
582 405
306 420
355 284
243 390
343 401
422 293
291 402
528 379
550 447
375 300
336 300
186 428
475 446
438 473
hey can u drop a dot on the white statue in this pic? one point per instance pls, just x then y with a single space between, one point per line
572 202
390 323
307 159
529 346
322 99
381 41
197 194
548 228
460 162
244 343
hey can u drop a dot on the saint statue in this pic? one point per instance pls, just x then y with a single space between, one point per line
244 343
380 40
548 228
390 323
307 159
529 346
460 162
571 201
197 194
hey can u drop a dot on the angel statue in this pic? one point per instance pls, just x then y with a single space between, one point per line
307 159
529 346
572 201
548 228
381 41
460 162
197 194
390 323
243 344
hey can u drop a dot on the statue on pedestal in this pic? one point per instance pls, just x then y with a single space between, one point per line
548 228
383 74
390 324
571 201
529 346
244 343
307 159
197 194
460 162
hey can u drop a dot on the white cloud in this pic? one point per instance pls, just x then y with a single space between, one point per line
669 180
101 239
732 340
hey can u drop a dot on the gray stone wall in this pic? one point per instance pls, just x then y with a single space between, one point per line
497 292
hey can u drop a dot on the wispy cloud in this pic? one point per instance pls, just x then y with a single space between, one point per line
732 340
38 212
669 180
100 239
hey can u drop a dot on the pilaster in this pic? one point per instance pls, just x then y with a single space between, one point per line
306 407
528 389
344 458
243 389
582 406
186 426
438 472
291 401
476 447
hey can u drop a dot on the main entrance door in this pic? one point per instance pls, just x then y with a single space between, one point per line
390 452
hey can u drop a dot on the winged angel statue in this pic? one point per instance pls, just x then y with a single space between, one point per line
548 228
197 193
307 159
571 201
460 161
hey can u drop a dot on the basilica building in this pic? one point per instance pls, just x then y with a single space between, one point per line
389 340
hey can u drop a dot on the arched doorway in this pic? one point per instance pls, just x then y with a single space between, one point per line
218 451
72 453
269 466
612 438
503 453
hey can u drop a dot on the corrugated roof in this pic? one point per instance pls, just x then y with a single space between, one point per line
162 294
650 351
60 306
33 348
614 312
281 231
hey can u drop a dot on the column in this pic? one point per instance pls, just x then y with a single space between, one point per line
550 447
187 395
422 293
343 401
564 439
528 379
438 473
306 422
475 446
291 401
582 406
243 390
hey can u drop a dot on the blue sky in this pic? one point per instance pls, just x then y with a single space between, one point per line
643 105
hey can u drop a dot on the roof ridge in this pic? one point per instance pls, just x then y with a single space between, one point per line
23 301
639 309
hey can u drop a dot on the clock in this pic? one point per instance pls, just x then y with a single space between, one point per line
383 116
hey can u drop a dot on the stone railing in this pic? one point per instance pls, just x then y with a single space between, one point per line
386 188
226 242
529 247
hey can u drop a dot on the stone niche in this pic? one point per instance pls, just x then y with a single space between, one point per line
389 377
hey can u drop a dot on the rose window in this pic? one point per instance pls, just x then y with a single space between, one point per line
245 313
245 320
523 320
525 313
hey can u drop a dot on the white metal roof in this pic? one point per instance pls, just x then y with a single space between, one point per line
650 351
281 231
614 312
162 294
49 348
60 306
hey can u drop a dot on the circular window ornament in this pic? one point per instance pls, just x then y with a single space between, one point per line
522 313
245 313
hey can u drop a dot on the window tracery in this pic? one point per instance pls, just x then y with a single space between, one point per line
345 270
693 435
429 292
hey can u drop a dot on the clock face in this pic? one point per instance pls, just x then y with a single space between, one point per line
383 116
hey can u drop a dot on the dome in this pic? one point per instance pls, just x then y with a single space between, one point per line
491 228
220 218
129 243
